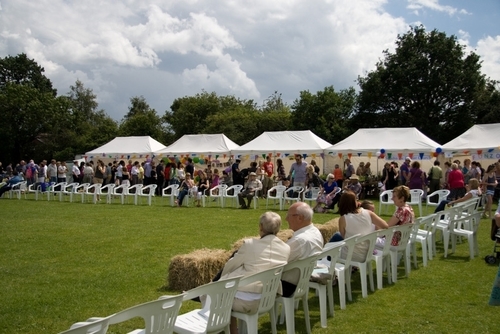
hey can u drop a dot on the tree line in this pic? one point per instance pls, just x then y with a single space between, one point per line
428 82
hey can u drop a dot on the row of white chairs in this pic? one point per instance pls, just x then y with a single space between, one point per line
433 199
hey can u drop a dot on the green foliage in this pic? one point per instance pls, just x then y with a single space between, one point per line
142 120
325 113
428 82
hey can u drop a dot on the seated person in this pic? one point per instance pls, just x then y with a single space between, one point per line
248 192
326 195
312 180
187 187
473 191
356 220
254 256
15 179
353 185
497 215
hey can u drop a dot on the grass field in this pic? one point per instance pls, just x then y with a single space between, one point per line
64 262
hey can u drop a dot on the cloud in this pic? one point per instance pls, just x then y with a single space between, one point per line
417 5
489 50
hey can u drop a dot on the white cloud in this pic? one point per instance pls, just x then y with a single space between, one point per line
416 5
489 50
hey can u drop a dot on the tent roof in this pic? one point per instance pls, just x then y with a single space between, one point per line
284 142
478 137
395 140
128 145
200 144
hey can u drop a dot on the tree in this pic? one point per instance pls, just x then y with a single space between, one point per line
325 113
142 120
428 82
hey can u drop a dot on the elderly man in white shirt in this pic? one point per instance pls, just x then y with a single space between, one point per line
306 241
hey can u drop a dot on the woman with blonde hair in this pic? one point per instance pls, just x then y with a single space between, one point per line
473 192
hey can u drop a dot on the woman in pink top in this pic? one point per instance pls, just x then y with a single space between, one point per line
456 183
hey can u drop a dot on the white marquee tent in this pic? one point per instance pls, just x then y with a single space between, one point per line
395 143
210 145
127 148
284 143
482 140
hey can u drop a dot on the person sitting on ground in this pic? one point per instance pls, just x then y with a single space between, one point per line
254 256
403 214
326 194
306 241
15 179
473 191
248 192
356 220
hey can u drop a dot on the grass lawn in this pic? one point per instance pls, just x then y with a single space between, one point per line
64 262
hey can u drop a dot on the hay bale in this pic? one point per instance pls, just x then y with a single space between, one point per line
284 235
328 229
199 267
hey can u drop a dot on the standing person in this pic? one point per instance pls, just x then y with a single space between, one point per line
141 172
489 184
134 173
129 166
88 173
349 169
456 183
404 171
181 173
465 170
338 175
391 177
268 177
173 174
61 171
160 177
306 241
75 171
416 177
109 174
236 173
52 171
119 173
299 172
447 170
435 175
99 172
280 170
316 167
189 167
148 168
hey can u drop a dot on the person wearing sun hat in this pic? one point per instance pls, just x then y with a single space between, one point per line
251 186
354 185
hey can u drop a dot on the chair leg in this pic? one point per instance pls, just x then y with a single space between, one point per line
289 305
329 290
424 252
322 304
380 270
341 284
305 305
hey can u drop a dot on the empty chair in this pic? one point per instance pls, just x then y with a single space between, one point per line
217 194
270 280
147 191
215 316
99 326
121 191
436 197
305 266
107 191
324 290
80 190
43 189
171 192
57 190
232 193
385 199
18 189
422 233
69 190
276 193
134 191
416 199
293 194
159 315
93 191
341 269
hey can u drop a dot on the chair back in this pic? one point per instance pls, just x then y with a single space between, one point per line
159 315
279 192
349 245
387 193
416 196
171 190
218 191
425 224
371 239
99 326
148 190
236 189
121 190
330 250
271 281
217 309
107 189
290 192
404 232
135 189
387 234
305 267
441 195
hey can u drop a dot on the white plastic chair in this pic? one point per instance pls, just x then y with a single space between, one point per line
314 191
217 193
325 291
365 267
416 199
121 191
93 327
441 194
18 189
32 189
405 233
424 237
80 190
305 266
41 193
270 280
159 315
92 191
57 189
466 227
341 269
381 256
232 193
147 191
134 191
291 192
171 191
384 201
279 194
107 191
442 224
216 313
69 190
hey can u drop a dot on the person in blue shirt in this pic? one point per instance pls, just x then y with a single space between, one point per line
12 181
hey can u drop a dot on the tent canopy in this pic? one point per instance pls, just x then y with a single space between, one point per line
479 137
141 145
397 141
208 144
284 142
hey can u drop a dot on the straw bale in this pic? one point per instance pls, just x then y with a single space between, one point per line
328 229
199 267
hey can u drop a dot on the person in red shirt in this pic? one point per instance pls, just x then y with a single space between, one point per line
456 183
268 182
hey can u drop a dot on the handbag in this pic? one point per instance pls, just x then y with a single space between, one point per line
429 177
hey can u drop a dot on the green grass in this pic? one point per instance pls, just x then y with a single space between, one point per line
64 262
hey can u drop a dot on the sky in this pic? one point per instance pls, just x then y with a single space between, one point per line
167 49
